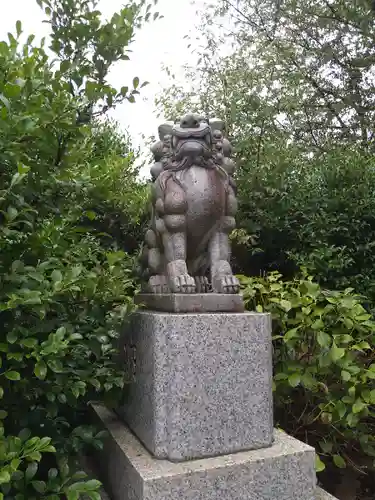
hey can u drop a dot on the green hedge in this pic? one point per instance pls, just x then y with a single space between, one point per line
324 364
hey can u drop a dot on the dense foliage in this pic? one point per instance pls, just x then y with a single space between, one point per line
65 287
324 364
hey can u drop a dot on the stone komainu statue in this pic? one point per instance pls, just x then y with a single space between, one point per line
187 248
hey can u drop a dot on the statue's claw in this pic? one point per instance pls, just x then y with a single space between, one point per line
158 284
227 284
182 284
201 284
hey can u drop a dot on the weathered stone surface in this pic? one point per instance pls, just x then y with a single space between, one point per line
202 383
284 471
196 302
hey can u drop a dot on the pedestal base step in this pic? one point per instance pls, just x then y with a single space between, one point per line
285 471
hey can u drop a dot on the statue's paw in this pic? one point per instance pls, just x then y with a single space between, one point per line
183 284
202 285
158 284
228 284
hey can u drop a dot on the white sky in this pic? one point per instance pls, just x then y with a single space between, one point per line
157 43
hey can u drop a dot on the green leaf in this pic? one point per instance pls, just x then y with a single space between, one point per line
336 353
72 495
92 485
136 82
324 340
64 66
24 434
79 475
90 214
12 337
56 276
29 342
15 463
39 486
55 365
318 324
31 470
35 455
326 418
339 461
12 375
319 465
53 473
352 420
294 379
345 376
291 334
40 370
18 28
49 449
326 446
30 39
4 477
358 406
286 305
12 213
5 101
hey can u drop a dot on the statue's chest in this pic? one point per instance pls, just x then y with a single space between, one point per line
205 192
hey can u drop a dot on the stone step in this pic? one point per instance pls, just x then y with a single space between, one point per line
284 471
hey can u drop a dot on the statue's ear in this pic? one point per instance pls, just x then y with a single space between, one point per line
202 119
217 124
165 129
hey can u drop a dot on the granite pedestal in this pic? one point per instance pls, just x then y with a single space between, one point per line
196 422
284 471
202 383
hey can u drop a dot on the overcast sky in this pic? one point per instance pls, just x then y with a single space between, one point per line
158 43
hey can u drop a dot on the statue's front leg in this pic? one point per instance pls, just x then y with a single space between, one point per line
174 240
222 278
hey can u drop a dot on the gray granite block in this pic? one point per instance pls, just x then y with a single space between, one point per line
202 383
284 471
191 302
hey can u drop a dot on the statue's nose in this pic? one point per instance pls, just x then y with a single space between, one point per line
189 121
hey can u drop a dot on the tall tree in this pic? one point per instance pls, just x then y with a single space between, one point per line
305 67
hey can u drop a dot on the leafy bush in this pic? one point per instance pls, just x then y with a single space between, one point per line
115 200
317 213
63 295
324 364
